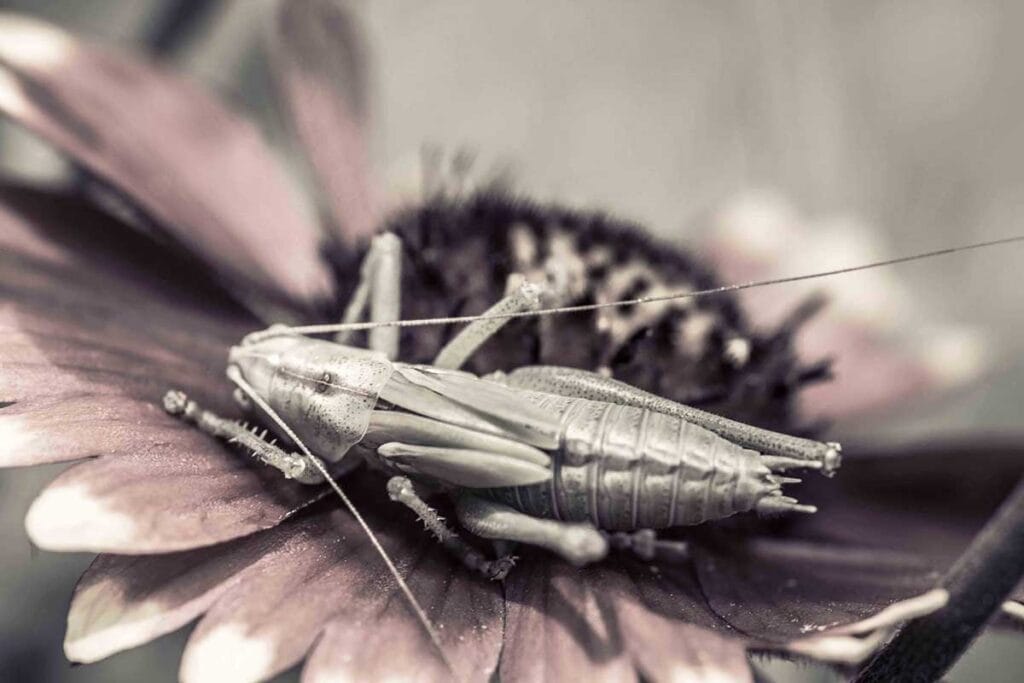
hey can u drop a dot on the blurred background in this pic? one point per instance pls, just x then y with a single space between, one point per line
888 127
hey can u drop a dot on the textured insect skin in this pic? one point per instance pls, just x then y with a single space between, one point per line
618 467
562 457
624 468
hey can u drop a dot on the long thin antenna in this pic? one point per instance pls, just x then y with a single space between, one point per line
278 330
235 376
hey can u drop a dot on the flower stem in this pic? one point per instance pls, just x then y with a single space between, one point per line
978 583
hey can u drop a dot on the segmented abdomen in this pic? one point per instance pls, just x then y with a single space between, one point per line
623 468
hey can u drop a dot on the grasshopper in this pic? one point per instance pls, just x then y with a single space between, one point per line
561 458
556 457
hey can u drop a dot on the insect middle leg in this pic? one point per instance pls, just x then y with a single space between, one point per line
401 490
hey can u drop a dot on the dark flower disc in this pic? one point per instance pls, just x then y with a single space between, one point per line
459 254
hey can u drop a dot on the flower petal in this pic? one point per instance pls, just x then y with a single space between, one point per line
96 323
123 601
164 500
320 68
268 597
776 590
380 640
855 643
201 172
613 621
929 497
329 576
874 370
877 363
1013 608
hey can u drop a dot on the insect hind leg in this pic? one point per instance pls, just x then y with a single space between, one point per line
401 490
291 465
783 451
578 543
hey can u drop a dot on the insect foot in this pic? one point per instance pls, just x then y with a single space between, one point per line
832 459
177 403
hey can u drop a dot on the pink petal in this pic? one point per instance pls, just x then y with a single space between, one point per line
1013 608
273 594
380 640
779 590
201 172
886 349
97 323
667 628
930 497
320 70
122 601
329 577
169 498
613 622
873 372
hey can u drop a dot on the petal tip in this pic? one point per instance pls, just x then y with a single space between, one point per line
67 518
84 647
99 625
226 653
16 440
27 42
12 99
1015 610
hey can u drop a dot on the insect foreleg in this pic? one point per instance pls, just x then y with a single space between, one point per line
526 297
380 287
401 490
578 543
292 465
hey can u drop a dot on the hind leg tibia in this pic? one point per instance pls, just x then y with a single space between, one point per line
573 382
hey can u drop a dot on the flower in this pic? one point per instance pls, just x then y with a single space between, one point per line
99 319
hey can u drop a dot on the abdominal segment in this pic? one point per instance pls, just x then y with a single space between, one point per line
624 468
